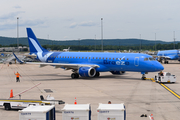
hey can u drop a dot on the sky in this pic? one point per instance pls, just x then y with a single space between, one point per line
81 19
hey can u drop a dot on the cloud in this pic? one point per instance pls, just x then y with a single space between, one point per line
83 24
27 23
11 15
73 25
17 6
88 23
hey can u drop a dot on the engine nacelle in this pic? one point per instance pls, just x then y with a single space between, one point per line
87 72
117 72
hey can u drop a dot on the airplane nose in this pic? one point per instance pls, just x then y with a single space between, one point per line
160 67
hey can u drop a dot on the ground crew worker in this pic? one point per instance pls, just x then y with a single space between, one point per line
109 102
161 73
17 77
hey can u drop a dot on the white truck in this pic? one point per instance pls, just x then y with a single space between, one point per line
23 103
165 77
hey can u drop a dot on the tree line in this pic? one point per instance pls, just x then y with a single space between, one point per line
106 47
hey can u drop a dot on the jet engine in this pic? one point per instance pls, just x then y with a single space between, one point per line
87 72
117 72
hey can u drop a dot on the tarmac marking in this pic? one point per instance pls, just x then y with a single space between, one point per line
171 91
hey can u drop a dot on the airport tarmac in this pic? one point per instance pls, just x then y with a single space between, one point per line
139 96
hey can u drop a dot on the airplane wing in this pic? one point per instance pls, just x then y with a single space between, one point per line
21 62
166 57
66 66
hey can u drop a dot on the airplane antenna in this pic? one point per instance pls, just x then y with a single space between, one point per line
174 39
102 33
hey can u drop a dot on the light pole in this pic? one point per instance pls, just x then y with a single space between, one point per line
95 42
140 42
102 33
17 33
174 39
155 42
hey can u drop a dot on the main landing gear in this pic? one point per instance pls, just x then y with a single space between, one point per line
74 75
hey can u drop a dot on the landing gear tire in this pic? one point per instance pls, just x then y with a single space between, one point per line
97 74
74 75
143 77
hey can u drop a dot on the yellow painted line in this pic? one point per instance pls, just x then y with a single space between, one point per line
175 94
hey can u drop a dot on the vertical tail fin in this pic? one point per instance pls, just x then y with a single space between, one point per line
34 45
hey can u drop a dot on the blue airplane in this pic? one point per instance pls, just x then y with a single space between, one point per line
168 55
90 64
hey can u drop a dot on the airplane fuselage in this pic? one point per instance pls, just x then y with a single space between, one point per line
106 61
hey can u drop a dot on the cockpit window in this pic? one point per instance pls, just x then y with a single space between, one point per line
151 59
145 59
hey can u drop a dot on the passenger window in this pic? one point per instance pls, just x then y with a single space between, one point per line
96 57
76 57
79 57
73 57
110 58
51 56
113 58
116 58
119 58
106 58
65 56
82 57
123 58
99 57
103 58
93 57
127 58
86 57
70 57
89 58
59 56
54 56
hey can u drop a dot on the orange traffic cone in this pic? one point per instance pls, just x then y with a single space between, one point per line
151 117
75 101
11 94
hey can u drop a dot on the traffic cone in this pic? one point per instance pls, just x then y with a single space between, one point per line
75 101
151 117
11 94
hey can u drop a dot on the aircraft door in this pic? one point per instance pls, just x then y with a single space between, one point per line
136 61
